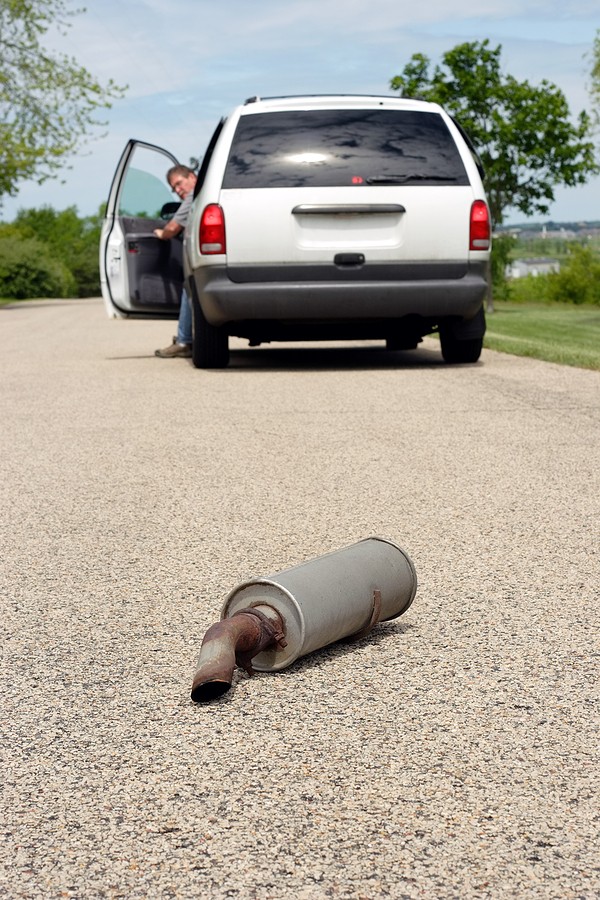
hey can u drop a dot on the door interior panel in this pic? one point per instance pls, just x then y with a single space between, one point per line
154 267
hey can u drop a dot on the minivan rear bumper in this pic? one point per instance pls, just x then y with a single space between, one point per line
348 299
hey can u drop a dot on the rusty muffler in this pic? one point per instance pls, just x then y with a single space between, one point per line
268 623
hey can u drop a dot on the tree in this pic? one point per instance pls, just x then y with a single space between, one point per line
67 238
69 242
48 102
595 77
523 134
28 269
501 256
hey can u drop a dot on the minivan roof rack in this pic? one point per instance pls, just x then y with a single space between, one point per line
256 99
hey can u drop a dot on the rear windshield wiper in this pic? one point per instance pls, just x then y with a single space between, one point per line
402 179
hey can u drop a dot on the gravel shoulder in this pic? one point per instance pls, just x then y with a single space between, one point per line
450 754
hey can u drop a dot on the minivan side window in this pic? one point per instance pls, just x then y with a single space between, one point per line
336 148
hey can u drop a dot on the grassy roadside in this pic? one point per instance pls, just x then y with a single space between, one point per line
559 333
4 301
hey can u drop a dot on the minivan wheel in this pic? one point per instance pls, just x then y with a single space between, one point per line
459 351
210 346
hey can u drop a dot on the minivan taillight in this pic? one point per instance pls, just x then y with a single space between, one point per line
212 230
479 235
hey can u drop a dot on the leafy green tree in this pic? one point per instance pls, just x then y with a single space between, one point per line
60 230
523 134
48 102
595 77
28 269
501 255
66 238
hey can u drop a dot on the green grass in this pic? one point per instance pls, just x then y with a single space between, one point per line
558 333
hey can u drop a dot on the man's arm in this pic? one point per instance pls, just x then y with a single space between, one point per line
171 230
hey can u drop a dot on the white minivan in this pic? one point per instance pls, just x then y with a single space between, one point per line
314 218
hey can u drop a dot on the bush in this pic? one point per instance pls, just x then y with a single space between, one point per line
579 278
27 269
530 289
70 239
578 281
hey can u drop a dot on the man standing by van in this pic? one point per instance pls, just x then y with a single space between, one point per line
182 181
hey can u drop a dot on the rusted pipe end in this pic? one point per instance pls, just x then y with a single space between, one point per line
205 691
231 642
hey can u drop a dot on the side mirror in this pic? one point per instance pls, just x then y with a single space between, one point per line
168 210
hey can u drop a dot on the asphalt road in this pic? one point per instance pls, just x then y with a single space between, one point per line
450 754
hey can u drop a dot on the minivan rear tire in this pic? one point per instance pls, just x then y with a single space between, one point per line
462 341
210 344
459 351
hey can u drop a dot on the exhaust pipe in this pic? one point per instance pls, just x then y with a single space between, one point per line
268 623
234 641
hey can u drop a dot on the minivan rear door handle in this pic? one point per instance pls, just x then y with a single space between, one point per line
351 260
348 209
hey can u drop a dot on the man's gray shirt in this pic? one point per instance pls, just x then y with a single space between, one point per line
182 214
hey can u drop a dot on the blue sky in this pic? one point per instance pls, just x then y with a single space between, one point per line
188 62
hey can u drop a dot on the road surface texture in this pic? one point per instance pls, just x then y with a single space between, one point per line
452 753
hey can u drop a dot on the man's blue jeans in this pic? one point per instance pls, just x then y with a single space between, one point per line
184 326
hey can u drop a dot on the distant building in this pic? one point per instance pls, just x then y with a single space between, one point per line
519 268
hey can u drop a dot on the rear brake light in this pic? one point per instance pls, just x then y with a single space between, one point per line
479 236
212 230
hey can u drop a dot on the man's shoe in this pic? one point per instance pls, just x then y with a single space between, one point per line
174 350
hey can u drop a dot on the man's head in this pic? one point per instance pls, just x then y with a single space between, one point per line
182 180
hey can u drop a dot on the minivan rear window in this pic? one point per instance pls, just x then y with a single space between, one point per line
339 147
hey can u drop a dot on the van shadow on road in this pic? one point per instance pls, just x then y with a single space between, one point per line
330 358
318 359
